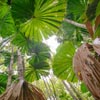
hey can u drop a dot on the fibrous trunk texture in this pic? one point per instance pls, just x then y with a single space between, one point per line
87 67
69 90
20 65
22 91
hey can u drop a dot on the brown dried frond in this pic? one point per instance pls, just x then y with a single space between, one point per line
87 67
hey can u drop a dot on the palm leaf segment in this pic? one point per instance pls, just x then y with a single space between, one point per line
62 63
6 21
37 18
3 81
38 62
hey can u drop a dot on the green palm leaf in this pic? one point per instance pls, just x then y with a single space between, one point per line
38 62
21 41
62 63
38 18
6 57
31 47
97 9
3 81
34 72
76 9
6 22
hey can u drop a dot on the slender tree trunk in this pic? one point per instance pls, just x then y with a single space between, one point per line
46 88
50 90
54 91
70 92
75 23
10 70
20 65
77 94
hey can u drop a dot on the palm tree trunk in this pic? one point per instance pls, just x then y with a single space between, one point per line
20 65
10 70
70 92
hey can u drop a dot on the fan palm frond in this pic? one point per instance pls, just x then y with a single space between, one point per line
37 19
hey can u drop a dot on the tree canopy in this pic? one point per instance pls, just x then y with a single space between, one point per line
24 24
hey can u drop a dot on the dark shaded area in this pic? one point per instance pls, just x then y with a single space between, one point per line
92 9
9 2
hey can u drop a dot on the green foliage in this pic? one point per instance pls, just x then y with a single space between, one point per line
6 55
91 10
6 22
97 32
4 8
85 92
70 32
75 12
33 72
65 96
21 41
83 88
53 84
38 18
38 62
62 63
29 46
76 9
3 81
39 50
98 9
31 20
3 1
